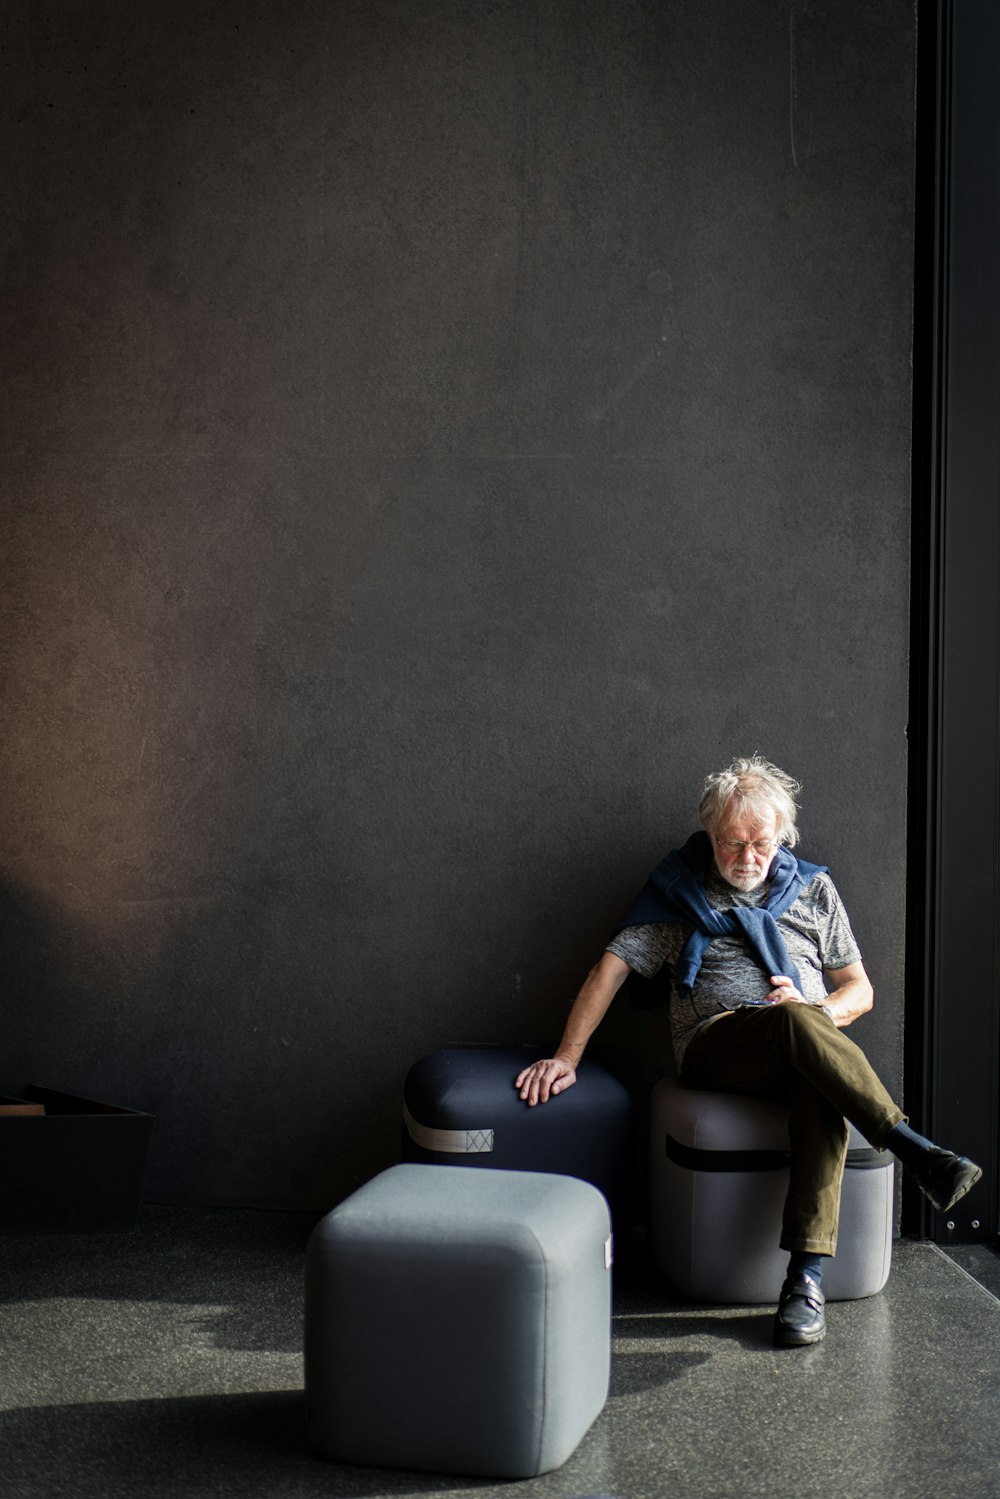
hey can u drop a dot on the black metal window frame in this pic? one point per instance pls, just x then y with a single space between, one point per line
953 998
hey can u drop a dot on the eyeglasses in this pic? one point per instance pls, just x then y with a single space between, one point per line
736 845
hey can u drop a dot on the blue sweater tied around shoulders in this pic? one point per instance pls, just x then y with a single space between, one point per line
675 891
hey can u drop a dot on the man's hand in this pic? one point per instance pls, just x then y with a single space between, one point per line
551 1076
784 991
542 1080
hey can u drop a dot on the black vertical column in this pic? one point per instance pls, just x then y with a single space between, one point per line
955 848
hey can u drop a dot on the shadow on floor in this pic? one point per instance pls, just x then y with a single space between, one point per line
167 1363
981 1262
240 1271
251 1445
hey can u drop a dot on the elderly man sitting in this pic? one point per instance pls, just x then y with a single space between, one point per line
764 976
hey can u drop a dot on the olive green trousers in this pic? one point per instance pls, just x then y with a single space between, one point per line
795 1054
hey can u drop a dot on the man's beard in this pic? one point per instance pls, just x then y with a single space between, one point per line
745 879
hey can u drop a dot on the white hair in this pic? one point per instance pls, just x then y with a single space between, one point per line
751 787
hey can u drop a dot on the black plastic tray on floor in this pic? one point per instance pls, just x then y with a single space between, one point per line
76 1169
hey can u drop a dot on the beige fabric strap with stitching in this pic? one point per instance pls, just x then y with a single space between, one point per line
450 1141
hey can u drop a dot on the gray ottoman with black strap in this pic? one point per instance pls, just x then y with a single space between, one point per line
718 1178
459 1321
460 1107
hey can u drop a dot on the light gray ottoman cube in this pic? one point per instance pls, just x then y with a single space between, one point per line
459 1321
718 1180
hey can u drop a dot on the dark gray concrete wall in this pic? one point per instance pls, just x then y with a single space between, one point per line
435 435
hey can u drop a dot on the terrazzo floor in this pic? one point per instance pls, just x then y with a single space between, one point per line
167 1362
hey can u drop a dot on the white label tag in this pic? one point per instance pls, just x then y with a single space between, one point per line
607 1252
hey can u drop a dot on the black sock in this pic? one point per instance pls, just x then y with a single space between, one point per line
802 1262
907 1146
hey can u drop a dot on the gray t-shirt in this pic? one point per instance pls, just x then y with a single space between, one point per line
817 934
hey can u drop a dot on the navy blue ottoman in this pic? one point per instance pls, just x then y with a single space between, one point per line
460 1107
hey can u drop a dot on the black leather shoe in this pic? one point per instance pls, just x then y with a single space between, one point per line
945 1177
800 1319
